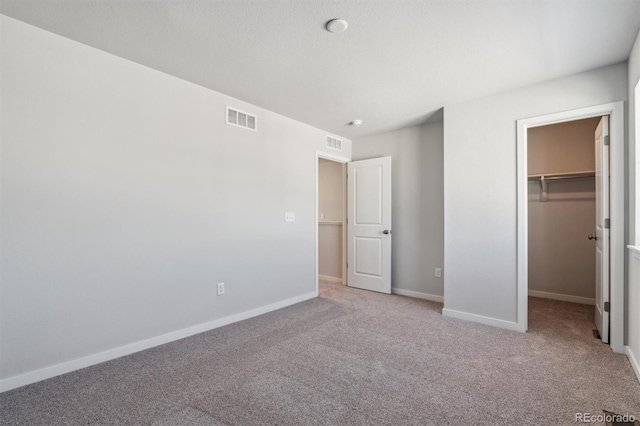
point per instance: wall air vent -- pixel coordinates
(241, 119)
(334, 143)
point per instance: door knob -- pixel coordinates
(386, 232)
(592, 237)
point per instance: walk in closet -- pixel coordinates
(331, 220)
(562, 211)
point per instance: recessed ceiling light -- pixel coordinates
(337, 25)
(356, 123)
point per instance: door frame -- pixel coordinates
(615, 111)
(343, 161)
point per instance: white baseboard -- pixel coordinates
(562, 297)
(76, 364)
(634, 361)
(417, 295)
(330, 279)
(509, 325)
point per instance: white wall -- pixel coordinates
(633, 289)
(633, 339)
(331, 201)
(417, 203)
(634, 160)
(480, 187)
(125, 198)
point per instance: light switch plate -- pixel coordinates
(289, 217)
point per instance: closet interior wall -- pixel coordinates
(331, 200)
(561, 258)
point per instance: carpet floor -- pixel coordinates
(349, 357)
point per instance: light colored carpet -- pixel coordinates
(349, 357)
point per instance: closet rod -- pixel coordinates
(559, 176)
(543, 179)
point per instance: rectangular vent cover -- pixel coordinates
(334, 143)
(242, 119)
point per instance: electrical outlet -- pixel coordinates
(220, 289)
(438, 272)
(321, 215)
(289, 217)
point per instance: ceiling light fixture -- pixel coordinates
(336, 26)
(356, 123)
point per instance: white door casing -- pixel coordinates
(369, 224)
(602, 231)
(616, 113)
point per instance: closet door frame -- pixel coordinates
(615, 111)
(344, 161)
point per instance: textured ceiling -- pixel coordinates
(399, 62)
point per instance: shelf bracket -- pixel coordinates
(543, 189)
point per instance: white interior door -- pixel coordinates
(602, 228)
(369, 224)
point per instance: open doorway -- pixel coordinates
(332, 217)
(564, 256)
(608, 224)
(359, 213)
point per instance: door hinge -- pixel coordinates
(607, 306)
(606, 141)
(347, 265)
(607, 223)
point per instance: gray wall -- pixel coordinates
(331, 196)
(125, 198)
(561, 258)
(331, 203)
(417, 204)
(330, 251)
(480, 185)
(562, 147)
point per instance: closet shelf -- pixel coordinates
(544, 178)
(558, 176)
(330, 222)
